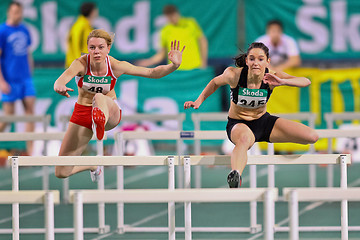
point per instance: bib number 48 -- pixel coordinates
(97, 90)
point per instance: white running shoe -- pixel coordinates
(95, 175)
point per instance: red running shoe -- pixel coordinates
(98, 123)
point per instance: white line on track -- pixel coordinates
(24, 214)
(36, 174)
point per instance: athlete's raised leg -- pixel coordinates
(289, 131)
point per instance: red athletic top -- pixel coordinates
(97, 84)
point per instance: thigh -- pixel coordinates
(75, 141)
(289, 131)
(242, 134)
(114, 114)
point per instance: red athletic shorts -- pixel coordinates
(82, 116)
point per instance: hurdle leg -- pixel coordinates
(101, 206)
(344, 203)
(65, 182)
(330, 168)
(49, 216)
(312, 169)
(197, 169)
(294, 216)
(187, 205)
(254, 227)
(119, 146)
(268, 215)
(120, 205)
(271, 168)
(171, 205)
(179, 171)
(45, 178)
(78, 216)
(101, 186)
(15, 206)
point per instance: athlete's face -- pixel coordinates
(15, 14)
(257, 61)
(98, 49)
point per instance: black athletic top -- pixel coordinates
(250, 98)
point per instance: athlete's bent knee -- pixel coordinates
(313, 137)
(60, 173)
(98, 97)
(241, 140)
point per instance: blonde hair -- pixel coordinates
(100, 33)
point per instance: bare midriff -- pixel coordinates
(86, 98)
(241, 113)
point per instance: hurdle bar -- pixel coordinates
(330, 118)
(45, 119)
(45, 178)
(33, 136)
(94, 161)
(180, 118)
(177, 195)
(163, 160)
(342, 159)
(48, 198)
(215, 135)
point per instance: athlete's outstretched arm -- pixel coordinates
(226, 78)
(60, 84)
(284, 79)
(175, 56)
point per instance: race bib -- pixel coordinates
(96, 84)
(252, 98)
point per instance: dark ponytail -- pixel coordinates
(240, 60)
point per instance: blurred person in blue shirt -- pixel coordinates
(15, 66)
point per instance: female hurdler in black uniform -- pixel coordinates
(251, 85)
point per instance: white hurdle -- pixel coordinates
(45, 119)
(330, 118)
(90, 161)
(15, 197)
(33, 136)
(187, 161)
(176, 135)
(177, 195)
(215, 135)
(45, 178)
(148, 117)
(295, 195)
(342, 159)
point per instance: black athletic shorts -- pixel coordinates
(260, 127)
